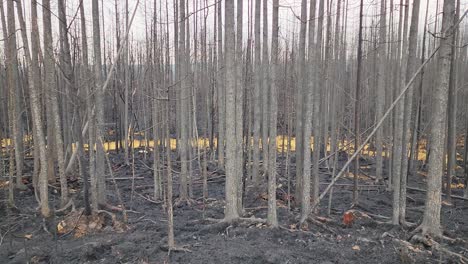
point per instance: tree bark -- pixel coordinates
(221, 90)
(239, 106)
(300, 148)
(431, 217)
(183, 73)
(99, 106)
(398, 124)
(34, 81)
(272, 217)
(265, 87)
(357, 106)
(452, 112)
(231, 211)
(257, 102)
(380, 103)
(408, 107)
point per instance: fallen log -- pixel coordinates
(443, 194)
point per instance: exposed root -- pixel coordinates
(253, 220)
(429, 242)
(424, 240)
(407, 224)
(171, 249)
(112, 215)
(74, 227)
(44, 226)
(460, 257)
(118, 226)
(294, 230)
(70, 203)
(116, 209)
(181, 201)
(322, 225)
(112, 207)
(178, 249)
(214, 220)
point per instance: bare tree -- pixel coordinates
(272, 218)
(231, 211)
(265, 87)
(452, 111)
(50, 83)
(34, 81)
(431, 219)
(239, 106)
(221, 89)
(380, 103)
(99, 113)
(357, 106)
(299, 104)
(256, 105)
(399, 121)
(184, 91)
(14, 117)
(12, 79)
(408, 107)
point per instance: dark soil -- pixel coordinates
(326, 240)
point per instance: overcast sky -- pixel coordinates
(289, 24)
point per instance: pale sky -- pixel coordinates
(289, 24)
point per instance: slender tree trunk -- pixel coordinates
(221, 89)
(272, 218)
(308, 90)
(414, 161)
(157, 64)
(184, 90)
(169, 206)
(300, 146)
(316, 104)
(265, 87)
(465, 156)
(99, 106)
(35, 86)
(16, 158)
(239, 106)
(66, 63)
(398, 125)
(11, 66)
(231, 211)
(408, 107)
(379, 106)
(452, 112)
(49, 76)
(431, 218)
(357, 107)
(257, 102)
(126, 88)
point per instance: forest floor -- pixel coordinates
(370, 239)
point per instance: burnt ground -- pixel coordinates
(369, 240)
